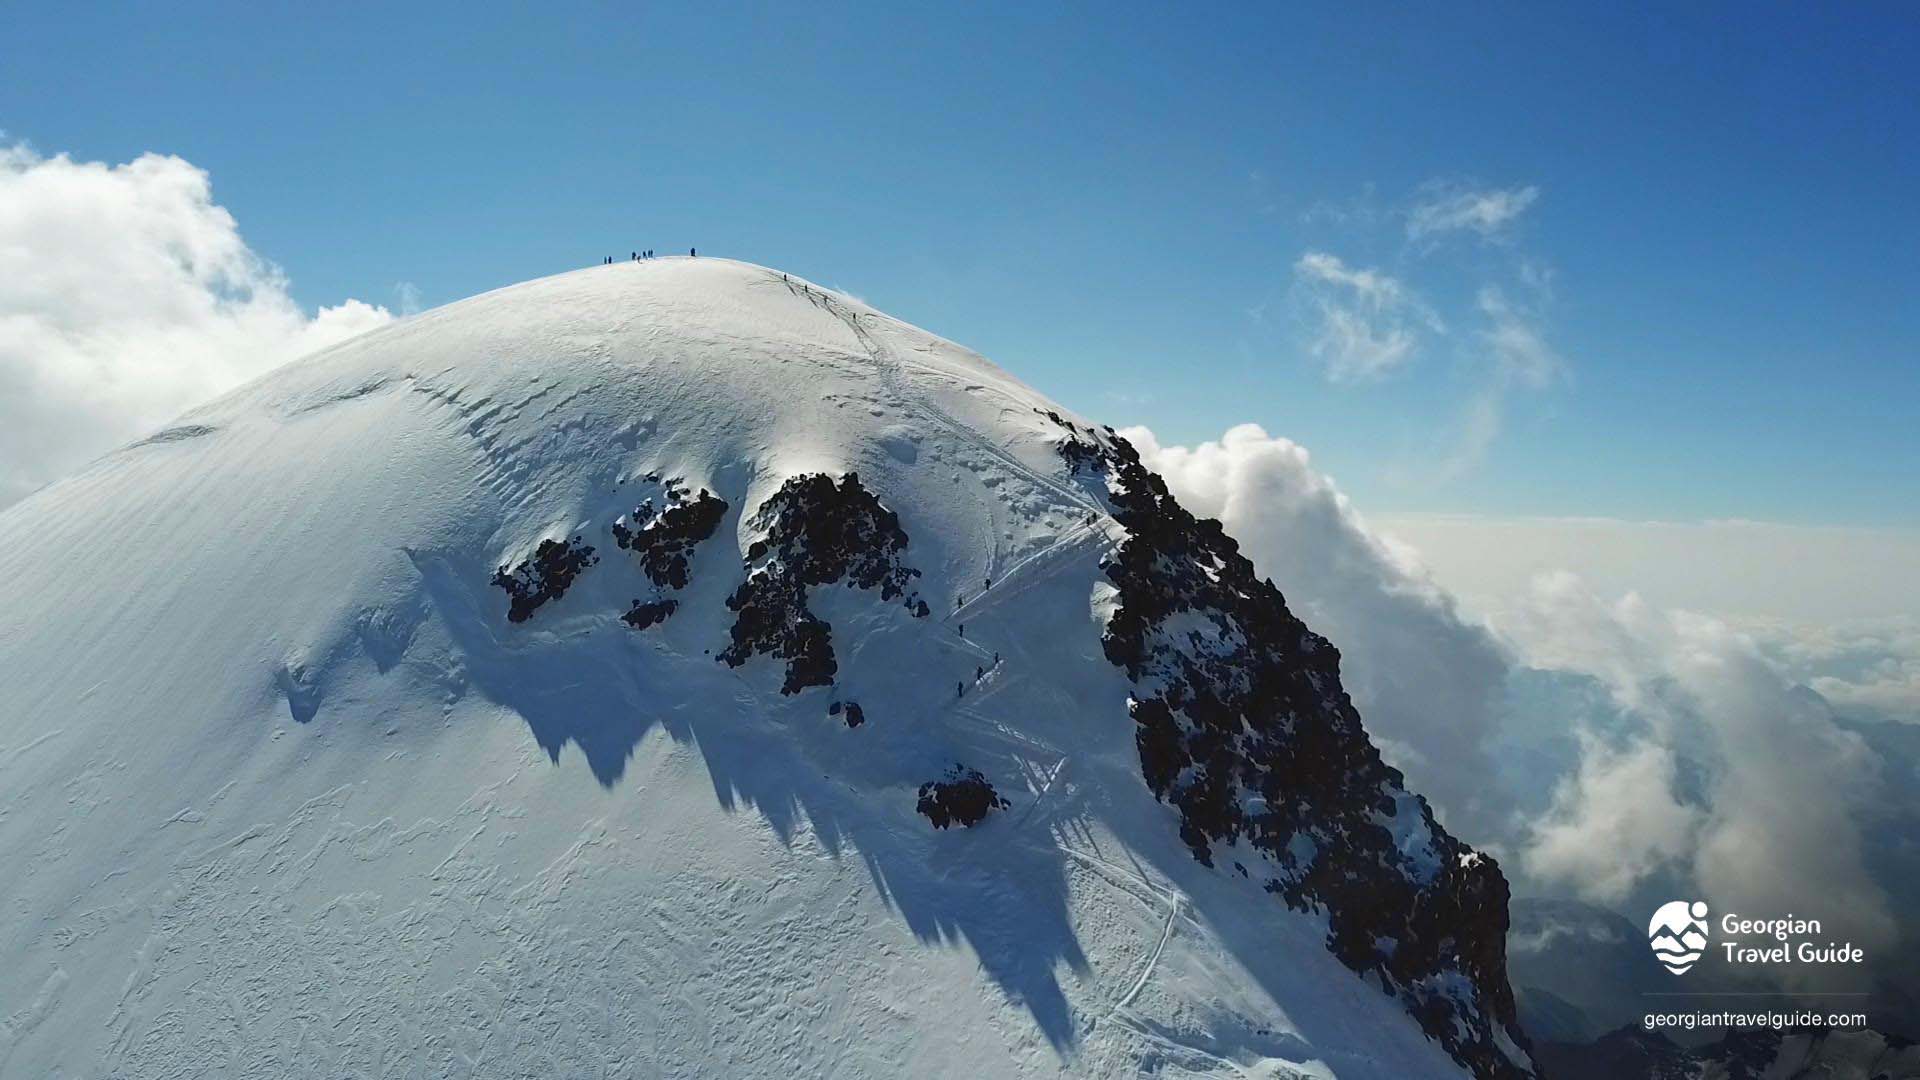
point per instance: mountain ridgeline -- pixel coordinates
(1243, 728)
(680, 668)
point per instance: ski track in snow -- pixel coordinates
(1146, 971)
(890, 367)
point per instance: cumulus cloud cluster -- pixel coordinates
(127, 295)
(1691, 759)
(1722, 770)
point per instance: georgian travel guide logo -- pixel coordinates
(1679, 930)
(1678, 934)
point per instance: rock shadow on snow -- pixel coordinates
(997, 889)
(585, 691)
(592, 682)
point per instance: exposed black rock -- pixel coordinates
(664, 540)
(543, 577)
(815, 533)
(963, 798)
(1243, 728)
(1079, 454)
(646, 613)
(855, 716)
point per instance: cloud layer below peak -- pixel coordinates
(1615, 751)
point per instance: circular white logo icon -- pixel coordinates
(1678, 934)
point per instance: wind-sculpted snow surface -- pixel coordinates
(570, 681)
(1242, 727)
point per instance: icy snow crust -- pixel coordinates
(284, 792)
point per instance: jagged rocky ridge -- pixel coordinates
(1243, 728)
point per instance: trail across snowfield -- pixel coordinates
(284, 793)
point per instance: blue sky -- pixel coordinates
(1716, 261)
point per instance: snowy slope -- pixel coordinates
(284, 791)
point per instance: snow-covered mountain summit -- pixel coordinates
(676, 668)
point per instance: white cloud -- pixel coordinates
(1515, 356)
(1892, 688)
(1692, 758)
(1713, 714)
(1614, 822)
(407, 295)
(1816, 584)
(1427, 680)
(1451, 208)
(1868, 667)
(1364, 323)
(1365, 209)
(1752, 787)
(127, 296)
(1515, 342)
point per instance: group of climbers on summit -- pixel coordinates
(647, 254)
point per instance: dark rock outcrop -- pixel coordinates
(963, 798)
(546, 576)
(664, 540)
(645, 613)
(815, 532)
(1243, 728)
